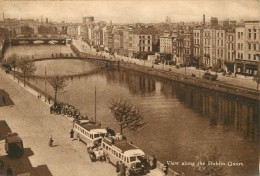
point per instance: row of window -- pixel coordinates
(222, 34)
(115, 153)
(143, 48)
(253, 56)
(220, 53)
(83, 131)
(196, 34)
(143, 41)
(254, 46)
(240, 35)
(230, 56)
(196, 41)
(219, 42)
(143, 37)
(249, 36)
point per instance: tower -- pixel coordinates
(204, 21)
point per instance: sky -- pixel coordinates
(134, 11)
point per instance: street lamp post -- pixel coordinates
(45, 86)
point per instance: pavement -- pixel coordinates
(29, 116)
(239, 80)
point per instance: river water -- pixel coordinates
(181, 121)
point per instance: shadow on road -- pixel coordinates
(22, 164)
(5, 99)
(4, 129)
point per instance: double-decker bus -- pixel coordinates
(13, 145)
(116, 150)
(89, 131)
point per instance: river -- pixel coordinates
(181, 121)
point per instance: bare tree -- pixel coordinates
(208, 166)
(126, 114)
(58, 83)
(13, 61)
(27, 66)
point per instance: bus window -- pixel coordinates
(96, 135)
(91, 136)
(106, 147)
(127, 159)
(119, 155)
(133, 158)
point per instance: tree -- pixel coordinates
(58, 83)
(126, 114)
(13, 61)
(27, 67)
(207, 166)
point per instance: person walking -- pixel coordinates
(9, 171)
(50, 141)
(71, 133)
(122, 168)
(165, 168)
(154, 162)
(49, 100)
(117, 167)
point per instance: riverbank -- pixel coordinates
(30, 117)
(171, 75)
(33, 90)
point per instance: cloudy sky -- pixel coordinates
(125, 11)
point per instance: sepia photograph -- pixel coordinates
(129, 88)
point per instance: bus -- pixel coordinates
(13, 145)
(116, 149)
(89, 132)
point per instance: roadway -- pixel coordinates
(239, 80)
(29, 116)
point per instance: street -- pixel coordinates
(242, 81)
(29, 116)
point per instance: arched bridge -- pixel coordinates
(111, 64)
(35, 40)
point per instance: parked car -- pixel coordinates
(210, 76)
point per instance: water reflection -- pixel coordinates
(181, 120)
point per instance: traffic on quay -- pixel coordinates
(113, 83)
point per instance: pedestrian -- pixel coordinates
(50, 141)
(154, 162)
(117, 167)
(49, 100)
(122, 168)
(71, 133)
(165, 168)
(9, 171)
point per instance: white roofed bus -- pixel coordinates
(116, 150)
(89, 132)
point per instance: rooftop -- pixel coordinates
(89, 125)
